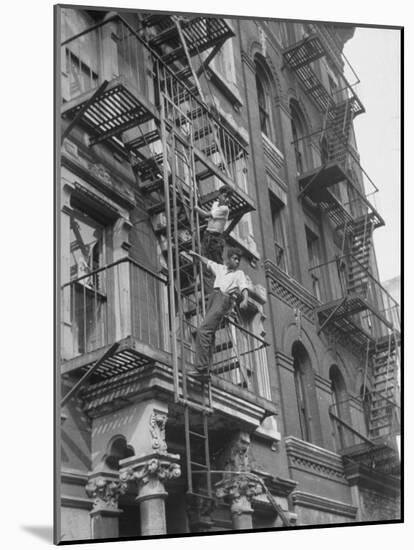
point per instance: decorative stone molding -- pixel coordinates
(312, 459)
(290, 291)
(105, 489)
(235, 457)
(150, 472)
(248, 61)
(122, 231)
(238, 491)
(84, 165)
(328, 505)
(158, 421)
(284, 361)
(322, 383)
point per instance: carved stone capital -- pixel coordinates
(238, 491)
(105, 489)
(150, 473)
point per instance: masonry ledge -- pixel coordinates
(299, 449)
(310, 500)
(157, 377)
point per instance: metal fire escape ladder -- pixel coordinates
(385, 380)
(177, 23)
(186, 293)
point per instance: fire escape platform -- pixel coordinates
(240, 203)
(117, 109)
(201, 34)
(298, 58)
(336, 210)
(304, 52)
(139, 370)
(314, 183)
(340, 312)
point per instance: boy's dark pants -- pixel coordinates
(219, 305)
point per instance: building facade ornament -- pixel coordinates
(158, 421)
(238, 491)
(199, 509)
(105, 490)
(150, 472)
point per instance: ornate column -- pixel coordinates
(238, 487)
(199, 511)
(150, 472)
(238, 491)
(105, 488)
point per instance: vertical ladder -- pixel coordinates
(186, 295)
(384, 386)
(361, 242)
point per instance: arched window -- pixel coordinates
(300, 139)
(306, 400)
(365, 395)
(340, 406)
(264, 101)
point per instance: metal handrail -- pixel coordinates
(165, 67)
(117, 262)
(350, 255)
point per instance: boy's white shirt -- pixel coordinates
(219, 216)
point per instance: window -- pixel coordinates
(366, 399)
(307, 405)
(264, 101)
(300, 138)
(314, 255)
(300, 399)
(340, 407)
(88, 292)
(223, 62)
(80, 56)
(279, 233)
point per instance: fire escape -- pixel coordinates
(178, 151)
(356, 309)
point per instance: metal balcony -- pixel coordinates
(127, 302)
(354, 302)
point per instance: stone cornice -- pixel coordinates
(97, 176)
(324, 504)
(313, 459)
(124, 389)
(74, 477)
(76, 502)
(290, 291)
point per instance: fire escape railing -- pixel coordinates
(126, 298)
(114, 51)
(354, 439)
(359, 295)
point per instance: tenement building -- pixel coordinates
(297, 422)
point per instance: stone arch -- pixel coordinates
(116, 450)
(332, 357)
(291, 335)
(340, 406)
